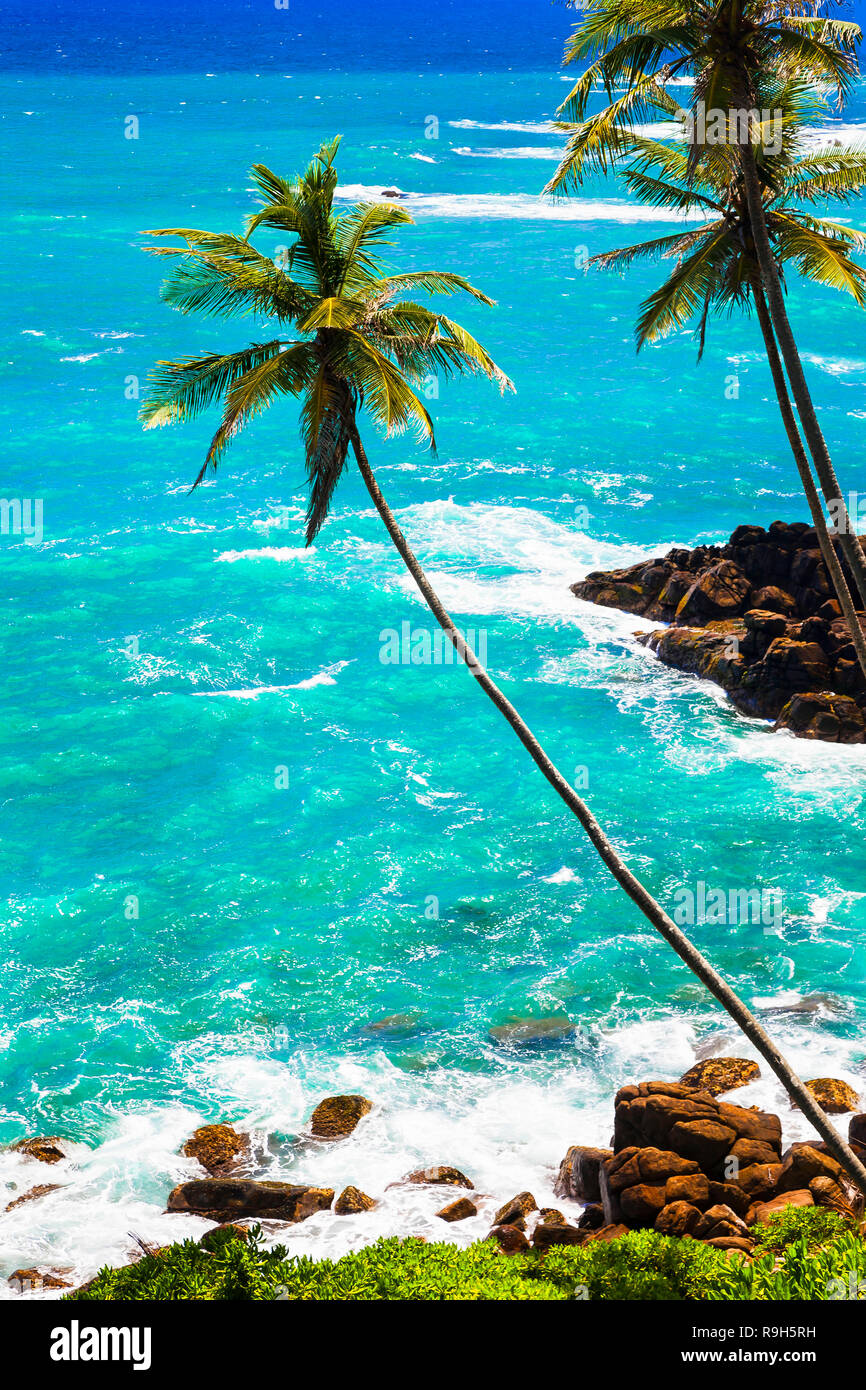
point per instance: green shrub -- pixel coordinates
(804, 1253)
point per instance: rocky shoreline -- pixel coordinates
(681, 1162)
(756, 616)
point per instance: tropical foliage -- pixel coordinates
(803, 1254)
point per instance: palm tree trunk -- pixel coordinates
(834, 569)
(639, 895)
(830, 485)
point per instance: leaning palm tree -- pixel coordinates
(717, 270)
(731, 49)
(358, 349)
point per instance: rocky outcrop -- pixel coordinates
(515, 1212)
(510, 1239)
(580, 1174)
(338, 1116)
(352, 1201)
(720, 1074)
(230, 1199)
(34, 1194)
(756, 616)
(46, 1150)
(218, 1148)
(33, 1280)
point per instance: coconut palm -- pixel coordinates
(717, 269)
(358, 349)
(731, 49)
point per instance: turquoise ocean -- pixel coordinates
(184, 939)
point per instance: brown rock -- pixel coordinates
(592, 1217)
(228, 1199)
(693, 1189)
(31, 1280)
(460, 1210)
(614, 1231)
(705, 1141)
(338, 1116)
(552, 1216)
(857, 1129)
(762, 1211)
(641, 1204)
(718, 1221)
(510, 1239)
(218, 1148)
(34, 1193)
(720, 1074)
(440, 1174)
(760, 1181)
(827, 1193)
(677, 1219)
(750, 1151)
(729, 1194)
(801, 1164)
(836, 1097)
(580, 1174)
(823, 715)
(554, 1233)
(50, 1150)
(352, 1201)
(776, 601)
(519, 1207)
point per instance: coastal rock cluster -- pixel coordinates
(756, 616)
(680, 1161)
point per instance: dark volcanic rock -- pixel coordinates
(757, 617)
(228, 1199)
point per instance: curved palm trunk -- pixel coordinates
(639, 895)
(834, 569)
(830, 486)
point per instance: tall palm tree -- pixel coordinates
(360, 350)
(717, 268)
(732, 49)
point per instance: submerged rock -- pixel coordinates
(338, 1116)
(533, 1032)
(440, 1175)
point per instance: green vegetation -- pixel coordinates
(803, 1254)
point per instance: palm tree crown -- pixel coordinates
(356, 345)
(716, 265)
(634, 50)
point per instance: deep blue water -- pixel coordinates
(165, 654)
